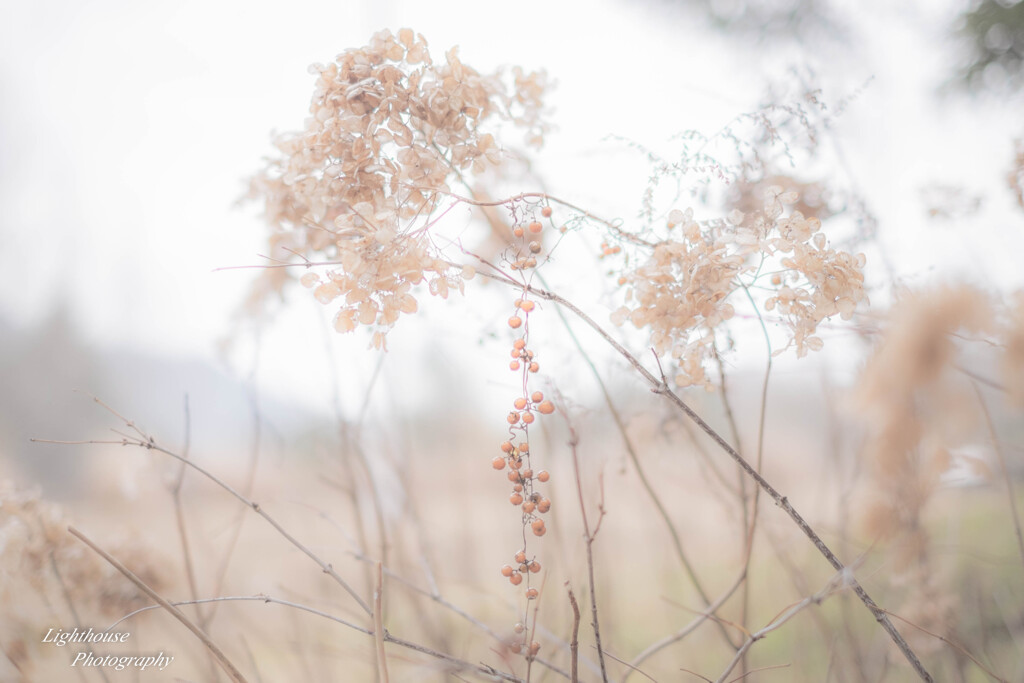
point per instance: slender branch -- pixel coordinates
(677, 543)
(543, 196)
(179, 517)
(689, 628)
(147, 442)
(250, 480)
(378, 625)
(760, 668)
(436, 596)
(589, 542)
(755, 505)
(838, 582)
(226, 664)
(952, 643)
(661, 388)
(1003, 469)
(630, 666)
(574, 643)
(460, 664)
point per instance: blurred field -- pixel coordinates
(448, 529)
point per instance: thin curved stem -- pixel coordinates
(660, 387)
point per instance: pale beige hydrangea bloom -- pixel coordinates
(680, 294)
(388, 130)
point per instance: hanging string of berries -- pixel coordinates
(516, 455)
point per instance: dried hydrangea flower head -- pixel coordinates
(918, 412)
(388, 131)
(681, 293)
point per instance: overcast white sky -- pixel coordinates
(127, 129)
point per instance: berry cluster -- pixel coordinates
(515, 450)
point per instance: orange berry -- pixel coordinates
(537, 525)
(515, 499)
(506, 446)
(532, 593)
(546, 212)
(523, 568)
(527, 306)
(536, 397)
(506, 570)
(530, 263)
(519, 403)
(518, 488)
(546, 407)
(515, 321)
(521, 556)
(516, 578)
(528, 418)
(517, 231)
(514, 365)
(534, 247)
(527, 473)
(535, 227)
(524, 447)
(534, 648)
(543, 505)
(540, 532)
(543, 476)
(513, 475)
(534, 566)
(518, 628)
(622, 280)
(519, 344)
(512, 418)
(498, 463)
(515, 648)
(529, 506)
(516, 464)
(534, 367)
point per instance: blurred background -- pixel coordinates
(128, 131)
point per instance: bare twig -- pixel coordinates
(588, 539)
(147, 442)
(838, 582)
(179, 516)
(952, 643)
(440, 600)
(760, 668)
(661, 388)
(755, 504)
(574, 643)
(544, 197)
(631, 667)
(378, 625)
(1003, 469)
(689, 628)
(226, 664)
(634, 457)
(458, 664)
